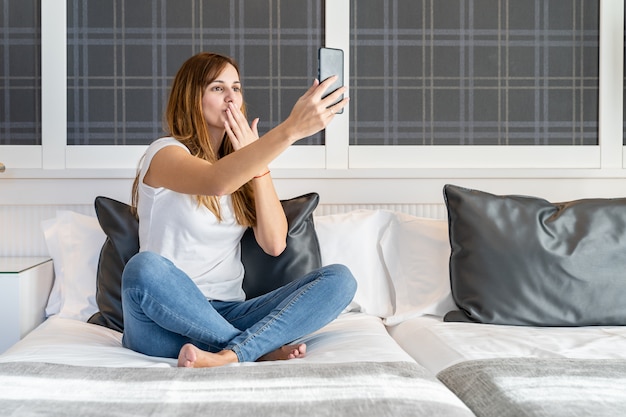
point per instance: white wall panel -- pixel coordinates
(20, 227)
(21, 233)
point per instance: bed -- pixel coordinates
(71, 366)
(537, 326)
(500, 370)
(512, 306)
(68, 367)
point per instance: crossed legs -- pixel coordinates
(166, 315)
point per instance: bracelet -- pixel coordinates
(262, 175)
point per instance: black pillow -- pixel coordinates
(522, 260)
(263, 272)
(122, 230)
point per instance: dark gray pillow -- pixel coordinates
(122, 230)
(263, 272)
(525, 261)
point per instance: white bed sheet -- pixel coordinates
(437, 345)
(352, 337)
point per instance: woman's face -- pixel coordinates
(224, 89)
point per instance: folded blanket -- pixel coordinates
(273, 389)
(540, 387)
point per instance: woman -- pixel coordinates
(195, 194)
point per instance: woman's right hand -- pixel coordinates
(312, 113)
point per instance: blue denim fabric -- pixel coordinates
(164, 309)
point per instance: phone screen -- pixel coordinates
(331, 63)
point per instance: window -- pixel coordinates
(445, 84)
(451, 74)
(455, 72)
(20, 73)
(123, 55)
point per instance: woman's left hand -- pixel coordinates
(237, 128)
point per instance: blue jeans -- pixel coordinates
(164, 309)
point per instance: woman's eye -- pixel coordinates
(217, 88)
(237, 89)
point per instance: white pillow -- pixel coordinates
(74, 241)
(352, 239)
(50, 229)
(416, 253)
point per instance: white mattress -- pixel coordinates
(438, 345)
(352, 337)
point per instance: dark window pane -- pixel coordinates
(489, 72)
(123, 54)
(20, 72)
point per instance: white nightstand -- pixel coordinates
(25, 284)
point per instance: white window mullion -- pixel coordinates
(611, 75)
(53, 83)
(337, 29)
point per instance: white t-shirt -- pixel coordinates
(175, 226)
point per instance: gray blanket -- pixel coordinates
(350, 389)
(540, 387)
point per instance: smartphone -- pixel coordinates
(330, 62)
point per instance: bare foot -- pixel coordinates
(192, 357)
(285, 352)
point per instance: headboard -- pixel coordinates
(21, 234)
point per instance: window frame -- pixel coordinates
(609, 153)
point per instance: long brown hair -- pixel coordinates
(185, 122)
